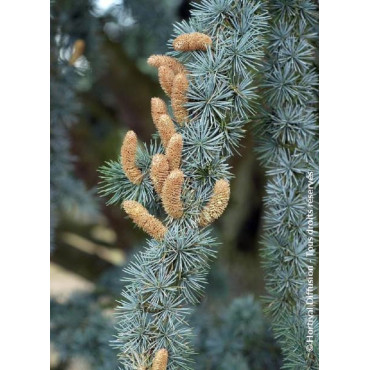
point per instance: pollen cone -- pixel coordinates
(179, 99)
(192, 41)
(160, 360)
(164, 60)
(128, 156)
(217, 203)
(166, 76)
(171, 194)
(166, 128)
(174, 151)
(158, 107)
(144, 220)
(159, 171)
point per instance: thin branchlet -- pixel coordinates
(287, 145)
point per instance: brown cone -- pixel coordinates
(179, 99)
(128, 158)
(164, 60)
(159, 171)
(158, 107)
(192, 41)
(174, 151)
(217, 203)
(166, 76)
(171, 194)
(160, 360)
(142, 218)
(166, 128)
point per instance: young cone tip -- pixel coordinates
(128, 157)
(174, 151)
(217, 203)
(192, 41)
(164, 60)
(141, 217)
(160, 360)
(159, 171)
(171, 194)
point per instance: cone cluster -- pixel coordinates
(173, 80)
(165, 173)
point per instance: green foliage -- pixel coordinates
(149, 27)
(68, 192)
(81, 329)
(167, 277)
(239, 338)
(287, 145)
(235, 337)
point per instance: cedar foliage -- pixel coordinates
(67, 192)
(211, 103)
(287, 145)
